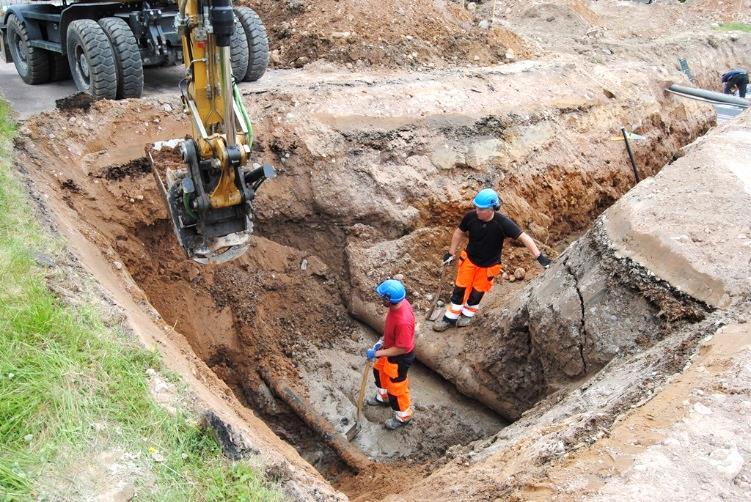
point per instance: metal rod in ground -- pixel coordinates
(630, 154)
(351, 455)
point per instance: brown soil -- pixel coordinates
(79, 101)
(382, 34)
(261, 317)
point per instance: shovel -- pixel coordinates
(431, 310)
(357, 427)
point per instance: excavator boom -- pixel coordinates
(210, 198)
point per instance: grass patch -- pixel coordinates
(735, 27)
(73, 389)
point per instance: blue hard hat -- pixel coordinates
(486, 199)
(391, 290)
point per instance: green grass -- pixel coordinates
(735, 27)
(72, 388)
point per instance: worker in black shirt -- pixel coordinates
(480, 263)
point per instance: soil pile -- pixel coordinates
(390, 33)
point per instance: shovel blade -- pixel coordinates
(353, 431)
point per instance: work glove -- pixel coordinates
(378, 345)
(543, 260)
(448, 258)
(370, 354)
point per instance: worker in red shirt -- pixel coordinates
(394, 354)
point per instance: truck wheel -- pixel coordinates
(239, 52)
(258, 43)
(91, 59)
(32, 63)
(59, 68)
(127, 57)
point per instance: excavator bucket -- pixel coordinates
(212, 235)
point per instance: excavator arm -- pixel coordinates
(210, 198)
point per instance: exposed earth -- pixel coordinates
(621, 372)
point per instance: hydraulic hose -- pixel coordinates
(244, 114)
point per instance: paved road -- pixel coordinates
(29, 99)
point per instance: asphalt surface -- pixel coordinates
(27, 99)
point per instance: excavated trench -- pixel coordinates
(283, 325)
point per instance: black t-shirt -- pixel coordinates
(486, 237)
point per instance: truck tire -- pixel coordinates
(239, 52)
(258, 43)
(91, 59)
(127, 57)
(59, 68)
(32, 63)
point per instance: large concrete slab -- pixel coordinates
(690, 224)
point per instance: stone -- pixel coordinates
(480, 152)
(44, 260)
(701, 409)
(445, 158)
(117, 265)
(123, 492)
(519, 273)
(296, 6)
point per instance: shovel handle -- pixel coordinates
(363, 383)
(433, 306)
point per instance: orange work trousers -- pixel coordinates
(391, 377)
(470, 276)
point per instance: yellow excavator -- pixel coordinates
(210, 198)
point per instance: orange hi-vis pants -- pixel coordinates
(469, 278)
(393, 384)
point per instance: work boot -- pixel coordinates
(393, 423)
(443, 324)
(374, 401)
(463, 321)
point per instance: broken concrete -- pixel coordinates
(703, 247)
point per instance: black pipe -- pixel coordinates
(630, 154)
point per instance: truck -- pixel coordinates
(104, 45)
